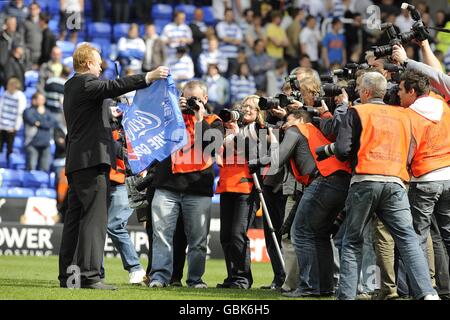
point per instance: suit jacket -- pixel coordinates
(48, 42)
(89, 136)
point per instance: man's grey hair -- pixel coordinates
(196, 83)
(374, 82)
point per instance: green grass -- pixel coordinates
(31, 278)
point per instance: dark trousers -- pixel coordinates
(276, 203)
(179, 242)
(237, 212)
(84, 232)
(8, 138)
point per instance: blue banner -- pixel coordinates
(153, 124)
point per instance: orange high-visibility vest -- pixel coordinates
(188, 159)
(62, 187)
(326, 167)
(432, 141)
(117, 175)
(235, 176)
(384, 142)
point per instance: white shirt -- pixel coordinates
(311, 38)
(403, 23)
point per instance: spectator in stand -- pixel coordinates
(276, 37)
(443, 38)
(120, 10)
(182, 67)
(231, 38)
(248, 20)
(242, 84)
(176, 34)
(52, 68)
(131, 49)
(33, 34)
(333, 45)
(39, 124)
(7, 38)
(155, 50)
(259, 63)
(293, 33)
(213, 56)
(355, 37)
(275, 78)
(48, 38)
(388, 7)
(54, 95)
(98, 10)
(218, 88)
(305, 65)
(254, 31)
(16, 65)
(18, 9)
(12, 104)
(70, 18)
(309, 41)
(142, 9)
(198, 28)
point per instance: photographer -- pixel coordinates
(238, 199)
(376, 139)
(185, 185)
(439, 80)
(311, 228)
(429, 190)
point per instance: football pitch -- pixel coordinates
(35, 278)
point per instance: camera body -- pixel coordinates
(281, 100)
(191, 104)
(231, 115)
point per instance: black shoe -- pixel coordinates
(299, 294)
(98, 286)
(224, 285)
(445, 296)
(238, 286)
(177, 284)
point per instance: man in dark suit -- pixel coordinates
(48, 38)
(90, 154)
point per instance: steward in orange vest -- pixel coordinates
(117, 176)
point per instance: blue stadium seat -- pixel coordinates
(68, 61)
(29, 92)
(53, 7)
(18, 142)
(20, 192)
(99, 30)
(208, 16)
(104, 45)
(45, 192)
(52, 180)
(3, 191)
(66, 47)
(53, 25)
(11, 178)
(17, 161)
(36, 179)
(188, 9)
(3, 160)
(160, 24)
(31, 78)
(162, 11)
(44, 4)
(120, 30)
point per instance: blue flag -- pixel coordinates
(153, 124)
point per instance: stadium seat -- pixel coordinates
(29, 92)
(3, 162)
(36, 179)
(17, 161)
(53, 7)
(45, 192)
(160, 24)
(53, 25)
(68, 61)
(52, 180)
(18, 143)
(66, 47)
(99, 30)
(11, 178)
(188, 9)
(44, 4)
(162, 11)
(120, 30)
(31, 78)
(20, 192)
(208, 16)
(104, 45)
(3, 191)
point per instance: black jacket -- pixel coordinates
(48, 42)
(15, 68)
(89, 136)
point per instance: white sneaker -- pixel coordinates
(156, 284)
(137, 277)
(200, 285)
(431, 297)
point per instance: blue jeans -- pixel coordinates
(311, 232)
(390, 202)
(118, 215)
(196, 213)
(430, 199)
(38, 158)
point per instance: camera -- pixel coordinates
(282, 100)
(191, 104)
(231, 115)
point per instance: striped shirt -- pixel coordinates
(338, 9)
(229, 30)
(133, 49)
(241, 87)
(182, 69)
(216, 57)
(54, 93)
(11, 110)
(172, 35)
